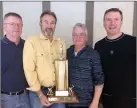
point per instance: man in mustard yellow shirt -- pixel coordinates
(38, 60)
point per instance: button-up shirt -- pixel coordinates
(85, 72)
(38, 58)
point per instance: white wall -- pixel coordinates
(30, 12)
(68, 14)
(100, 7)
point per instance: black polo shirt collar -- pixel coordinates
(7, 41)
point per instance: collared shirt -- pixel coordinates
(12, 73)
(85, 72)
(38, 58)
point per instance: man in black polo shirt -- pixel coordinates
(118, 56)
(13, 82)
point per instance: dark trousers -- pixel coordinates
(113, 102)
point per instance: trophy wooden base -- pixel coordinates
(63, 99)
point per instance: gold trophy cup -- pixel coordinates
(63, 93)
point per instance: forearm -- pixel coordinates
(43, 99)
(39, 93)
(97, 93)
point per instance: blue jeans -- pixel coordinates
(35, 101)
(15, 101)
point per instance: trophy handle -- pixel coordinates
(50, 91)
(71, 90)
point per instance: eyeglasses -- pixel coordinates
(15, 24)
(81, 35)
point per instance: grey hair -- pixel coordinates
(12, 14)
(83, 26)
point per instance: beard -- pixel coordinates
(48, 31)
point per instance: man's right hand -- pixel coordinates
(44, 101)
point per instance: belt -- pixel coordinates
(13, 93)
(118, 97)
(42, 87)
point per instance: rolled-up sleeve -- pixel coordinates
(29, 63)
(98, 75)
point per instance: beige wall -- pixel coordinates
(68, 13)
(30, 12)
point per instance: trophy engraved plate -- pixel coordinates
(63, 93)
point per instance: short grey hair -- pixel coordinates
(83, 26)
(12, 14)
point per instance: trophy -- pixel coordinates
(63, 93)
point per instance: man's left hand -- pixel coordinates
(93, 105)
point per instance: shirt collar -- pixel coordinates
(7, 41)
(44, 37)
(80, 52)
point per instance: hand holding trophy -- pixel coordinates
(63, 93)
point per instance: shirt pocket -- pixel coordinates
(40, 58)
